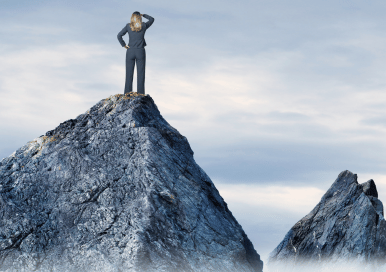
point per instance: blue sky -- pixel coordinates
(275, 97)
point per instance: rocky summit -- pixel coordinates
(346, 228)
(116, 189)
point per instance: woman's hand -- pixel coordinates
(127, 47)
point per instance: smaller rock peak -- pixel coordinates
(342, 184)
(346, 177)
(369, 188)
(347, 226)
(346, 173)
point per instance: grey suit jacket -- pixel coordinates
(136, 39)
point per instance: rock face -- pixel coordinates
(347, 226)
(116, 189)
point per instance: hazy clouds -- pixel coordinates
(276, 97)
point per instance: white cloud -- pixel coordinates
(32, 30)
(283, 198)
(39, 85)
(268, 212)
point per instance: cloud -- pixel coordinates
(283, 198)
(379, 121)
(44, 86)
(35, 81)
(268, 212)
(233, 111)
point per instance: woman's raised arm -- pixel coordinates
(150, 22)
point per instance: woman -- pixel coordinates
(135, 50)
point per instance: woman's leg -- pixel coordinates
(130, 61)
(141, 63)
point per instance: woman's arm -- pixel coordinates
(120, 34)
(150, 22)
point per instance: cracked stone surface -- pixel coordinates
(116, 189)
(346, 226)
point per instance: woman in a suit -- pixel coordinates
(135, 50)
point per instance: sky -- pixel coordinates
(275, 97)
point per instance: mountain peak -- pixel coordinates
(116, 189)
(346, 227)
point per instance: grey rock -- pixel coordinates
(369, 188)
(377, 204)
(116, 189)
(345, 227)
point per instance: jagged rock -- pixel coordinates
(116, 189)
(369, 188)
(346, 227)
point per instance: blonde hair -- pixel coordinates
(136, 22)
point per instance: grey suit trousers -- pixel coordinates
(135, 55)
